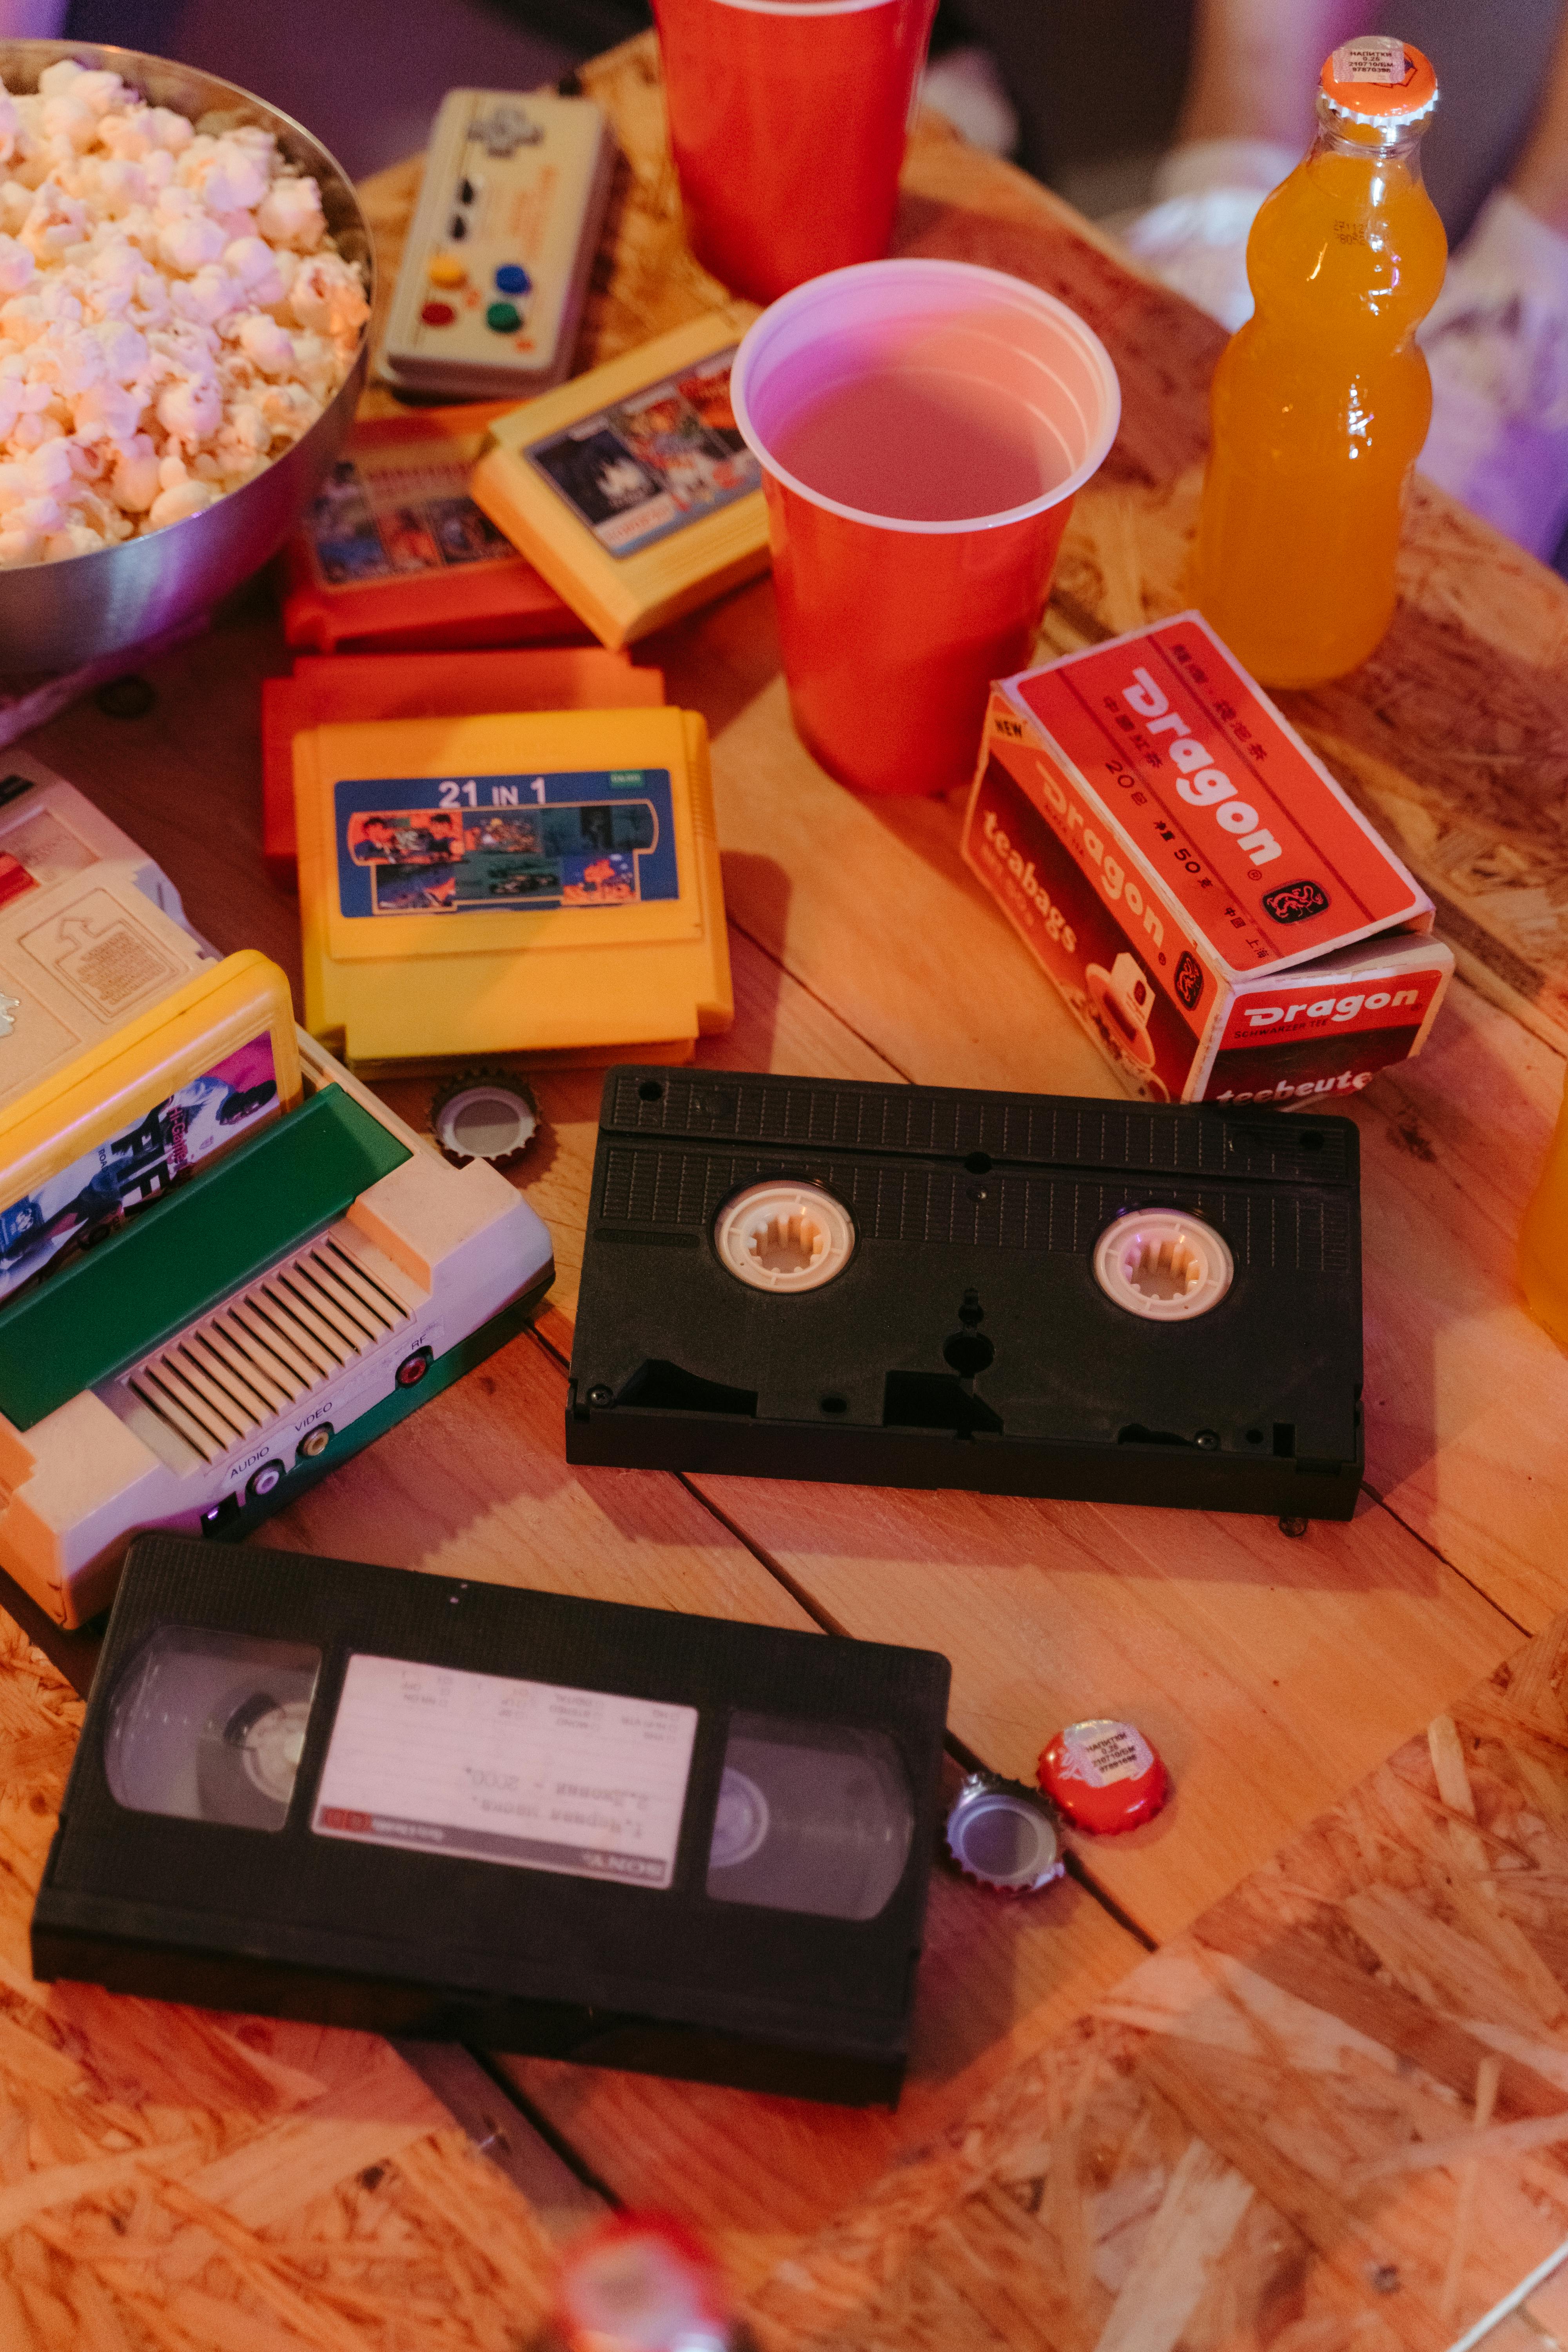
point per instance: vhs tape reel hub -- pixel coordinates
(785, 1237)
(1162, 1265)
(271, 1740)
(742, 1822)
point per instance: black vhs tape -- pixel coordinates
(388, 1800)
(1018, 1293)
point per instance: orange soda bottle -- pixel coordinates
(1543, 1240)
(1321, 402)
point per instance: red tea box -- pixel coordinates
(1216, 911)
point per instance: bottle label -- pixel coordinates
(1373, 58)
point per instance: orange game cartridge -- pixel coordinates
(538, 883)
(425, 686)
(631, 487)
(395, 554)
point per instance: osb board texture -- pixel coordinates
(1333, 2114)
(175, 2180)
(1454, 735)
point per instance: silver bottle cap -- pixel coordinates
(1005, 1835)
(483, 1114)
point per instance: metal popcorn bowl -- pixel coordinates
(59, 615)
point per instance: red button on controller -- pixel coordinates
(437, 314)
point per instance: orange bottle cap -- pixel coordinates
(1380, 81)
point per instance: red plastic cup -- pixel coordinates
(923, 427)
(787, 121)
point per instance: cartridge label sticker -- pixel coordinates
(1259, 846)
(649, 464)
(534, 1775)
(87, 1199)
(102, 955)
(394, 520)
(477, 844)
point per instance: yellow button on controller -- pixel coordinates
(447, 270)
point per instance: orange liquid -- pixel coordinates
(1319, 406)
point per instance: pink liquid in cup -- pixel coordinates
(923, 427)
(787, 121)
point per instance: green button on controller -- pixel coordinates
(504, 318)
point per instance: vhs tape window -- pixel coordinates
(815, 1818)
(211, 1726)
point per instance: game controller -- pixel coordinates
(490, 290)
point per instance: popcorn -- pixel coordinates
(253, 262)
(228, 179)
(173, 313)
(191, 411)
(265, 342)
(53, 222)
(190, 240)
(184, 500)
(326, 294)
(291, 214)
(135, 483)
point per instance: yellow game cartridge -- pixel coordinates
(630, 488)
(538, 883)
(120, 1123)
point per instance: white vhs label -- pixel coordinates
(528, 1773)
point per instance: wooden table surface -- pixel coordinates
(171, 2179)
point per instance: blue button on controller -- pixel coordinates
(511, 278)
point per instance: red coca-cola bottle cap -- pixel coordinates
(1103, 1775)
